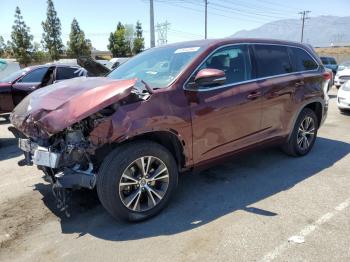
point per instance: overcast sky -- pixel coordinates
(186, 17)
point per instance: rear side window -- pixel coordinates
(302, 61)
(67, 73)
(272, 60)
(34, 76)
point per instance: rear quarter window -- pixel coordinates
(302, 61)
(272, 60)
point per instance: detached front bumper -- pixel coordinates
(37, 155)
(60, 175)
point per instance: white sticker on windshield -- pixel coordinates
(187, 50)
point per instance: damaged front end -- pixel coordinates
(56, 129)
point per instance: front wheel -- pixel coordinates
(136, 180)
(304, 134)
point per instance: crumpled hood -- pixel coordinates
(51, 109)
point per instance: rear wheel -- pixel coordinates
(136, 180)
(304, 134)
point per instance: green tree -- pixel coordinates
(2, 47)
(39, 55)
(77, 44)
(8, 50)
(52, 32)
(21, 39)
(139, 41)
(118, 44)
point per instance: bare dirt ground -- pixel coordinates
(253, 208)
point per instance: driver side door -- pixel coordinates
(226, 117)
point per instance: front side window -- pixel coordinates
(63, 73)
(302, 60)
(272, 60)
(158, 67)
(34, 76)
(234, 61)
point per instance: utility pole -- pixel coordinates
(303, 18)
(151, 14)
(206, 19)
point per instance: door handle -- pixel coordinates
(254, 95)
(299, 83)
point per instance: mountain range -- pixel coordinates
(320, 31)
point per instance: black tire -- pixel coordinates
(111, 171)
(291, 147)
(344, 111)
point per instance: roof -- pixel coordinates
(221, 41)
(53, 64)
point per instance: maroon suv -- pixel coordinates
(170, 109)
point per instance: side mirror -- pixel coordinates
(210, 77)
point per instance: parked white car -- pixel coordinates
(341, 77)
(7, 67)
(344, 65)
(343, 98)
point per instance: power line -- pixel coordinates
(256, 7)
(241, 16)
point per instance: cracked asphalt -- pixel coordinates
(263, 206)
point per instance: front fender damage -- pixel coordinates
(107, 130)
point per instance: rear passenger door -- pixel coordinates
(278, 84)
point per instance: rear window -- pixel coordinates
(302, 61)
(272, 60)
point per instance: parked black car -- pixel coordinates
(330, 62)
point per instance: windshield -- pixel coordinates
(158, 67)
(12, 77)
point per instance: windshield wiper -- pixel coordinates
(149, 89)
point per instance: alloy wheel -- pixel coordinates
(144, 183)
(306, 133)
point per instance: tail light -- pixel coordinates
(327, 75)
